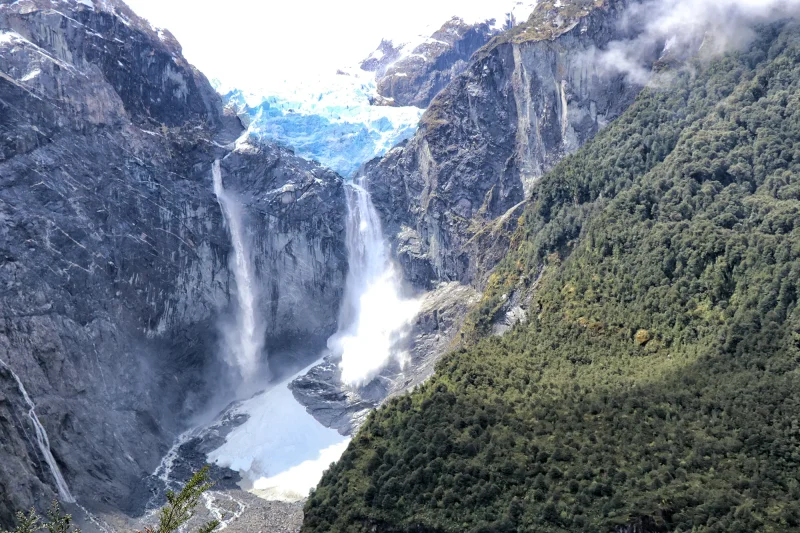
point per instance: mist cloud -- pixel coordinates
(680, 28)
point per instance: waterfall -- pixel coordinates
(42, 441)
(245, 341)
(374, 316)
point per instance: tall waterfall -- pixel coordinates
(42, 441)
(245, 341)
(374, 316)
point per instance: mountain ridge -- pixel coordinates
(652, 387)
(485, 139)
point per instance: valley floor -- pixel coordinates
(242, 512)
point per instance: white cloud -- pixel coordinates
(257, 43)
(685, 25)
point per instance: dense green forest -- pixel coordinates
(656, 382)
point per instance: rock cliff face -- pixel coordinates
(527, 99)
(114, 252)
(451, 197)
(414, 77)
(410, 72)
(296, 212)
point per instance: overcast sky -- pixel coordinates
(252, 43)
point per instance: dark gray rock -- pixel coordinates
(415, 78)
(335, 406)
(526, 100)
(296, 209)
(113, 250)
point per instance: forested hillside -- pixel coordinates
(655, 386)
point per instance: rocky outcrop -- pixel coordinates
(412, 75)
(113, 248)
(527, 99)
(295, 209)
(434, 331)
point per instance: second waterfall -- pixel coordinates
(244, 340)
(375, 316)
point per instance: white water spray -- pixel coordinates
(375, 317)
(42, 441)
(245, 342)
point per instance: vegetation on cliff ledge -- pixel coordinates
(656, 383)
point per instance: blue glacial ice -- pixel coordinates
(330, 121)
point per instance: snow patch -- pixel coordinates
(294, 484)
(10, 37)
(281, 451)
(30, 75)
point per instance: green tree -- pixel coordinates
(179, 509)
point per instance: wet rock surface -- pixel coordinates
(113, 249)
(332, 403)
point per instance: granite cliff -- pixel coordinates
(113, 250)
(527, 99)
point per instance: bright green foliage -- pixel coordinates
(657, 383)
(180, 507)
(58, 522)
(26, 523)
